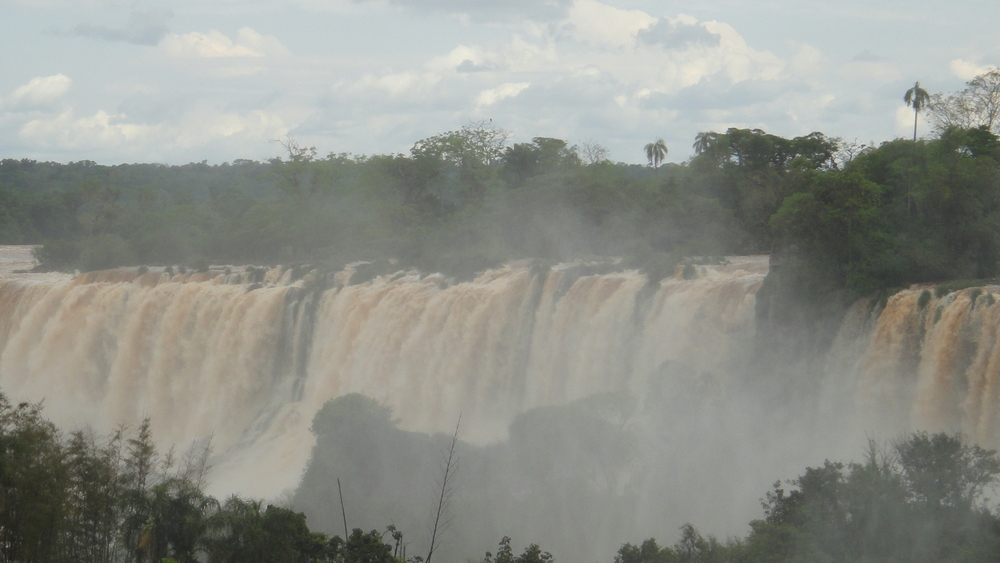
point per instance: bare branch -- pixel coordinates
(450, 466)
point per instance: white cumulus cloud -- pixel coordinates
(103, 133)
(967, 70)
(215, 44)
(68, 131)
(598, 23)
(494, 95)
(39, 93)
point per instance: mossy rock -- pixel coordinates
(924, 299)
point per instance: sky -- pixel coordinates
(180, 81)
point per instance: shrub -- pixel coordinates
(58, 254)
(105, 252)
(201, 265)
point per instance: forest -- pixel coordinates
(840, 219)
(860, 218)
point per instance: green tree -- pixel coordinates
(366, 548)
(704, 142)
(647, 552)
(917, 98)
(919, 503)
(177, 520)
(656, 152)
(94, 500)
(544, 155)
(243, 530)
(943, 471)
(505, 554)
(33, 477)
(296, 175)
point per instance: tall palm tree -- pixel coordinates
(656, 152)
(918, 98)
(704, 141)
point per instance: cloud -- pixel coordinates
(572, 69)
(143, 28)
(739, 60)
(42, 92)
(70, 4)
(596, 23)
(721, 94)
(465, 58)
(967, 70)
(506, 90)
(866, 56)
(904, 122)
(468, 65)
(215, 44)
(68, 131)
(677, 34)
(622, 69)
(486, 10)
(115, 134)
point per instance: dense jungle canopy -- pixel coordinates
(864, 218)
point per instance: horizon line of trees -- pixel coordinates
(861, 218)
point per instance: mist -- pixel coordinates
(628, 349)
(596, 408)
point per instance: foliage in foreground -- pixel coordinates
(79, 497)
(922, 501)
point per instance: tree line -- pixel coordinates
(860, 217)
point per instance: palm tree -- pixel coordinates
(918, 98)
(704, 141)
(656, 152)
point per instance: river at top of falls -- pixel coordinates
(249, 361)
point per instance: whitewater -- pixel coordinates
(245, 357)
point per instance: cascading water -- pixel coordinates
(249, 356)
(933, 362)
(249, 363)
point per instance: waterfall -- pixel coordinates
(248, 357)
(933, 362)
